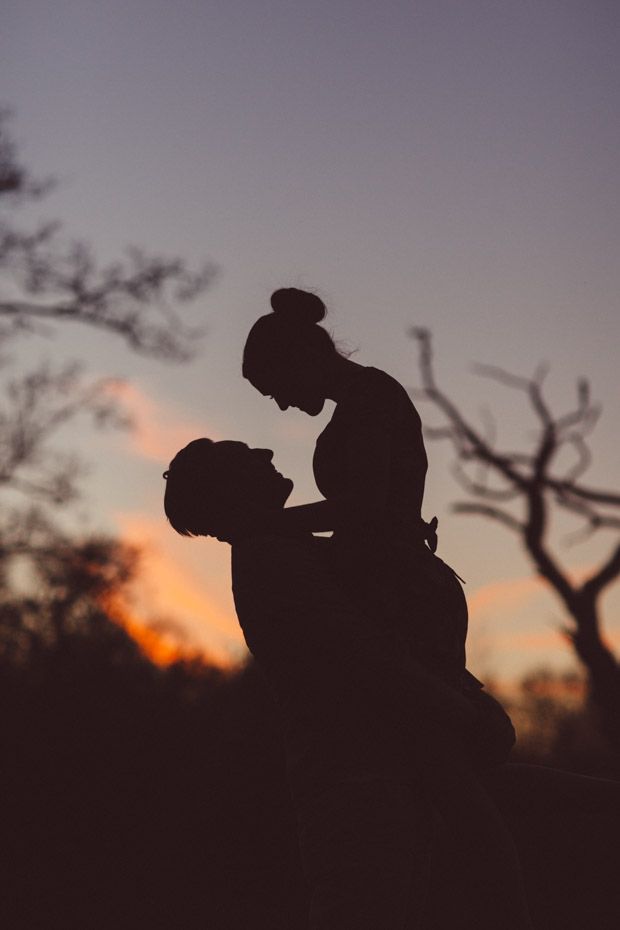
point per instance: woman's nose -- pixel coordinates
(266, 453)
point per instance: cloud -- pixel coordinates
(524, 641)
(517, 624)
(160, 645)
(504, 595)
(511, 593)
(160, 430)
(188, 609)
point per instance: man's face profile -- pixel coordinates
(251, 475)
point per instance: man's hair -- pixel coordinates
(186, 500)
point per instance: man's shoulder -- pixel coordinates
(282, 562)
(270, 549)
(287, 595)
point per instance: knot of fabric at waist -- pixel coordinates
(429, 533)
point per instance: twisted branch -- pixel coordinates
(531, 478)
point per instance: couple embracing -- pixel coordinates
(362, 638)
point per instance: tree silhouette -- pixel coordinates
(53, 582)
(48, 280)
(60, 602)
(539, 481)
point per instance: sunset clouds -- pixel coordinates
(518, 623)
(159, 429)
(505, 594)
(194, 611)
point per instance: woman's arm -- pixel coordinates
(363, 500)
(362, 503)
(319, 517)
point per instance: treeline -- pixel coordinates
(139, 796)
(134, 796)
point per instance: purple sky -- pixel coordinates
(448, 162)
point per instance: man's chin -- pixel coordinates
(287, 487)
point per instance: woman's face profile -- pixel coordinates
(293, 391)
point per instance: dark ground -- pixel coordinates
(134, 796)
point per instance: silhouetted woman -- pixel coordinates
(370, 464)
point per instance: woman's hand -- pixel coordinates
(300, 520)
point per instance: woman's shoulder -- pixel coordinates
(382, 381)
(381, 391)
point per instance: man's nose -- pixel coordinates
(282, 405)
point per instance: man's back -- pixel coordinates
(318, 652)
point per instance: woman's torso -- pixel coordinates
(386, 566)
(378, 407)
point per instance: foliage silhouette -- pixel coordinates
(45, 283)
(48, 281)
(139, 796)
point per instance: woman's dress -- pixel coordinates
(385, 564)
(384, 561)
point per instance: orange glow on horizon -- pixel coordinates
(510, 618)
(166, 587)
(161, 648)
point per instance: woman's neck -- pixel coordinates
(340, 376)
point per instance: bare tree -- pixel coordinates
(36, 406)
(521, 489)
(45, 282)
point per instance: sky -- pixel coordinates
(446, 163)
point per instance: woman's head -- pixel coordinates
(210, 484)
(287, 352)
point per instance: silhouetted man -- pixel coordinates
(362, 721)
(350, 695)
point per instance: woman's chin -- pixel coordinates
(313, 409)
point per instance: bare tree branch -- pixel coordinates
(49, 280)
(608, 572)
(16, 182)
(609, 498)
(493, 513)
(38, 405)
(468, 441)
(480, 488)
(532, 479)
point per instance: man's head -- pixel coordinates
(211, 486)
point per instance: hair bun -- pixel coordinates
(297, 305)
